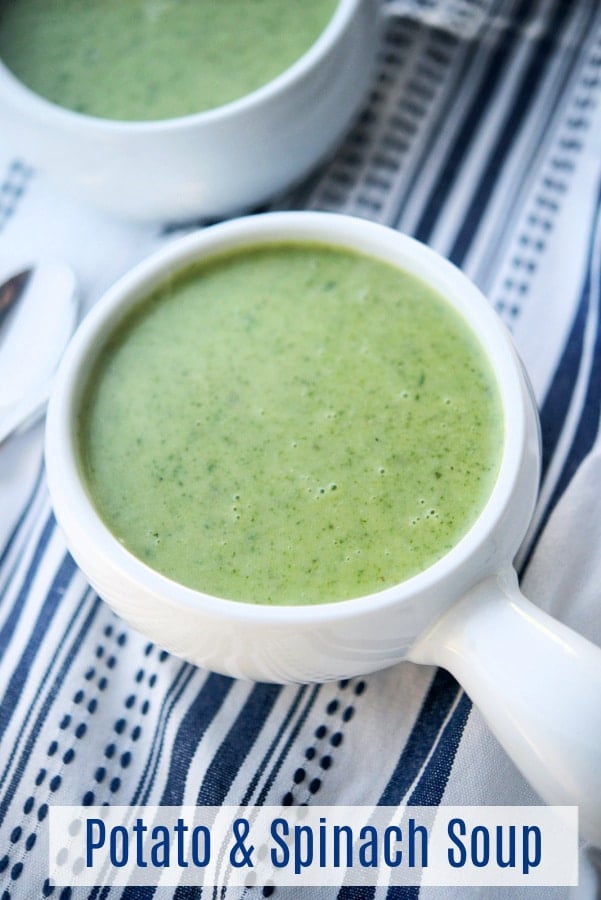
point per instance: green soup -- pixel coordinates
(154, 59)
(292, 423)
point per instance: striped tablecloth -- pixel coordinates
(482, 137)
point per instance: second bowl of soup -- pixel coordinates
(175, 111)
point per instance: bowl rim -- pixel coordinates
(39, 105)
(69, 495)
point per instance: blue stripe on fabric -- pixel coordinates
(495, 70)
(13, 617)
(437, 704)
(131, 892)
(51, 696)
(273, 744)
(185, 674)
(586, 432)
(226, 763)
(18, 680)
(560, 394)
(357, 892)
(192, 727)
(435, 708)
(431, 786)
(194, 893)
(237, 744)
(142, 792)
(403, 892)
(25, 512)
(508, 131)
(286, 749)
(433, 781)
(190, 732)
(190, 892)
(470, 51)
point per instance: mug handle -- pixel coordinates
(536, 682)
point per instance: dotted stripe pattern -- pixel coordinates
(462, 17)
(361, 176)
(107, 774)
(319, 756)
(557, 174)
(12, 189)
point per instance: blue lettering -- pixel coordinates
(392, 833)
(203, 860)
(480, 861)
(457, 860)
(323, 842)
(180, 828)
(138, 829)
(509, 861)
(347, 831)
(303, 847)
(414, 830)
(119, 859)
(91, 843)
(159, 853)
(529, 861)
(276, 826)
(369, 835)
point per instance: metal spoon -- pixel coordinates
(38, 313)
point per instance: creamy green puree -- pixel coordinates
(154, 59)
(293, 423)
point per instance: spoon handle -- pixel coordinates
(10, 292)
(33, 339)
(537, 683)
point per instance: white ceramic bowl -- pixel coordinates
(299, 643)
(537, 682)
(215, 162)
